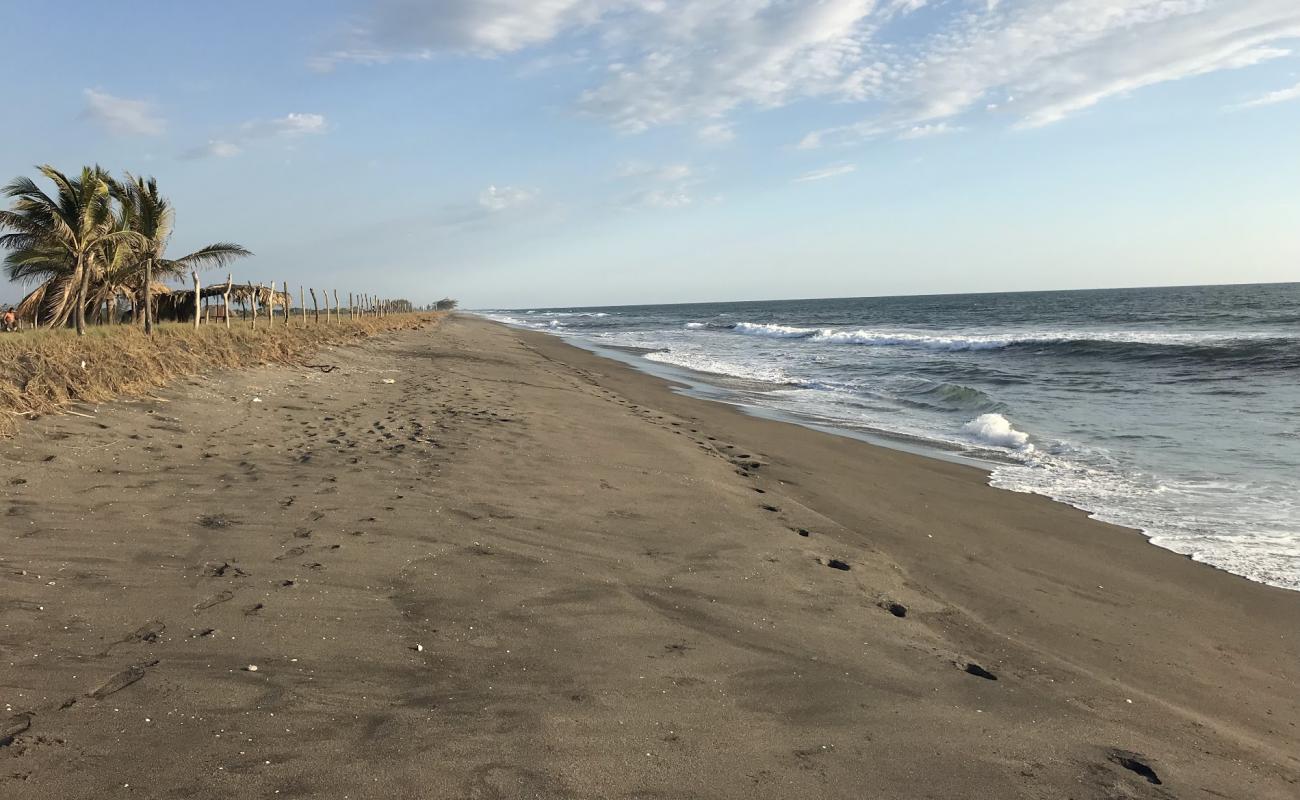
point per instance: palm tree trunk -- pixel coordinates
(83, 289)
(148, 297)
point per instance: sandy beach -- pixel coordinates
(476, 562)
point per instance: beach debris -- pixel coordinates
(250, 668)
(802, 531)
(972, 668)
(225, 569)
(835, 563)
(149, 632)
(10, 728)
(419, 648)
(894, 607)
(389, 380)
(1135, 762)
(257, 399)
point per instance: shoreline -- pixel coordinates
(988, 463)
(526, 570)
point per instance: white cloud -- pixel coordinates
(662, 62)
(500, 198)
(658, 185)
(662, 198)
(640, 169)
(716, 133)
(216, 148)
(290, 126)
(928, 130)
(1279, 96)
(122, 117)
(1043, 61)
(833, 171)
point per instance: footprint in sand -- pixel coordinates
(121, 680)
(220, 597)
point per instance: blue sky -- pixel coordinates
(571, 152)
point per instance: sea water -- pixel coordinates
(1175, 411)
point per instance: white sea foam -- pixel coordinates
(695, 325)
(883, 339)
(988, 341)
(996, 430)
(773, 331)
(701, 362)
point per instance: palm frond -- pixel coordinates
(214, 255)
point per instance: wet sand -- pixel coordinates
(523, 571)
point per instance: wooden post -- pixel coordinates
(337, 318)
(288, 301)
(197, 299)
(315, 310)
(226, 299)
(252, 300)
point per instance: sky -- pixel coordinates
(535, 153)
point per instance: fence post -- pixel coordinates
(226, 299)
(197, 299)
(252, 301)
(315, 309)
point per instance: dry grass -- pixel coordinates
(43, 372)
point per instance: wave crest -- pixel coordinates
(996, 430)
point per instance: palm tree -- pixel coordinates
(64, 235)
(151, 217)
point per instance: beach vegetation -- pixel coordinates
(94, 247)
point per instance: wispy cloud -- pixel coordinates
(658, 185)
(664, 62)
(667, 173)
(500, 198)
(1271, 98)
(716, 133)
(928, 130)
(833, 171)
(216, 148)
(121, 116)
(289, 126)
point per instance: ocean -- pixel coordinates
(1175, 411)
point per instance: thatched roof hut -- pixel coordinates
(178, 304)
